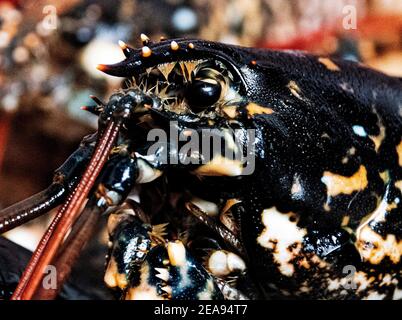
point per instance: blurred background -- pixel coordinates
(49, 51)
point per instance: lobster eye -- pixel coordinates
(203, 93)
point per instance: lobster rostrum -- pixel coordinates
(318, 192)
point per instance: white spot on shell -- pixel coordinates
(360, 131)
(373, 248)
(337, 184)
(279, 234)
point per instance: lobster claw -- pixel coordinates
(171, 272)
(130, 243)
(143, 265)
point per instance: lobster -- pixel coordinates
(304, 182)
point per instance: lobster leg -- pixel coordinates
(65, 178)
(219, 229)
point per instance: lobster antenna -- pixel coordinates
(65, 218)
(98, 101)
(32, 207)
(96, 110)
(82, 231)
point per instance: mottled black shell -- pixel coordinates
(314, 137)
(325, 195)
